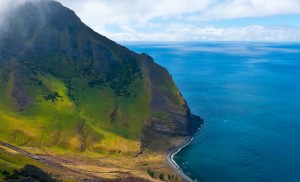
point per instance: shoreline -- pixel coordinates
(173, 164)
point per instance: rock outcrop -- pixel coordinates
(171, 116)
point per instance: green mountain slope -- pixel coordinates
(65, 87)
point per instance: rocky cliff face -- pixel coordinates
(82, 88)
(171, 116)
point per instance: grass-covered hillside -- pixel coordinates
(82, 103)
(68, 87)
(76, 117)
(65, 87)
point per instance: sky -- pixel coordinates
(189, 20)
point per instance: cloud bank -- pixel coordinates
(125, 11)
(9, 6)
(188, 20)
(186, 33)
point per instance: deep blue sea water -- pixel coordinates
(249, 96)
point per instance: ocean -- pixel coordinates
(248, 93)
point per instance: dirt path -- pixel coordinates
(79, 168)
(51, 163)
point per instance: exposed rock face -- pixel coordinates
(171, 116)
(19, 93)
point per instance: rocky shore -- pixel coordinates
(173, 151)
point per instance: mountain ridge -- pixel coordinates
(65, 87)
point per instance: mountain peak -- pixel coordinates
(38, 19)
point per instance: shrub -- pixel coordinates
(151, 173)
(161, 176)
(52, 96)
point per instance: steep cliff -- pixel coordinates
(64, 85)
(170, 114)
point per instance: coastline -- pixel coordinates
(173, 164)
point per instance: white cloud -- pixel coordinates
(174, 20)
(184, 33)
(178, 20)
(252, 8)
(124, 11)
(101, 13)
(8, 6)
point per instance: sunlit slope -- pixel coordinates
(81, 118)
(65, 87)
